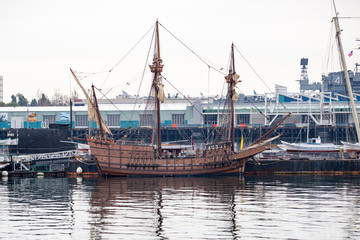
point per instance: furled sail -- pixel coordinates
(90, 105)
(235, 96)
(91, 108)
(236, 77)
(161, 93)
(233, 79)
(105, 127)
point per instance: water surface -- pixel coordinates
(253, 207)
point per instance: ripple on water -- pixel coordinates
(277, 207)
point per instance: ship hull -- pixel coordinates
(118, 159)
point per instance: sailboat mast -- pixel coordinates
(71, 120)
(156, 68)
(348, 84)
(97, 112)
(232, 87)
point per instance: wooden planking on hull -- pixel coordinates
(123, 160)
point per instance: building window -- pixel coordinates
(242, 118)
(113, 120)
(146, 120)
(178, 119)
(341, 118)
(47, 119)
(81, 120)
(210, 119)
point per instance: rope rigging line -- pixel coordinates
(183, 134)
(252, 103)
(202, 115)
(329, 52)
(308, 129)
(187, 99)
(110, 89)
(126, 54)
(222, 130)
(197, 55)
(143, 74)
(224, 108)
(103, 95)
(86, 75)
(348, 17)
(256, 73)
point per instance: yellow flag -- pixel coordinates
(241, 143)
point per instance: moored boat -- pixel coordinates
(312, 145)
(351, 147)
(150, 158)
(313, 157)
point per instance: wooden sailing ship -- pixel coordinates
(124, 158)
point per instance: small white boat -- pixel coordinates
(351, 147)
(312, 145)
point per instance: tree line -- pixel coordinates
(58, 99)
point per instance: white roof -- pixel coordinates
(102, 107)
(137, 107)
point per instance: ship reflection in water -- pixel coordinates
(267, 207)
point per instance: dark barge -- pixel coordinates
(303, 166)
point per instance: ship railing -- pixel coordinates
(126, 142)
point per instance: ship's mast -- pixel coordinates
(93, 108)
(156, 68)
(231, 79)
(97, 112)
(348, 84)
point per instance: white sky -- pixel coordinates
(41, 39)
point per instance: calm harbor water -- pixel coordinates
(253, 207)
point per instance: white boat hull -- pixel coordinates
(309, 147)
(351, 147)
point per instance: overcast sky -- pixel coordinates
(41, 39)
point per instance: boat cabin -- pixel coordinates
(314, 140)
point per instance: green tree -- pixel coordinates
(44, 100)
(13, 101)
(33, 102)
(22, 101)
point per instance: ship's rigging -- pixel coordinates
(151, 114)
(136, 158)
